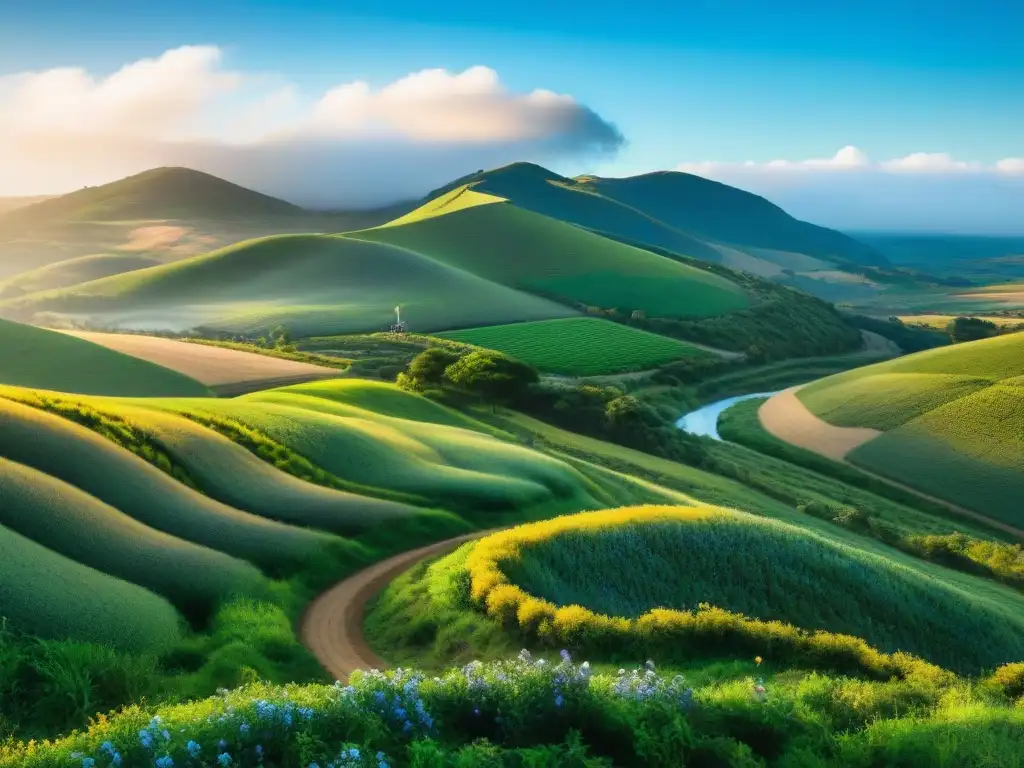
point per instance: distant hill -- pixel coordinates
(160, 193)
(72, 272)
(11, 203)
(687, 214)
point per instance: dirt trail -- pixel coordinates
(788, 419)
(785, 417)
(332, 626)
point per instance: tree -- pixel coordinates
(427, 368)
(281, 336)
(970, 329)
(491, 375)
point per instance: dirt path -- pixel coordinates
(788, 419)
(785, 417)
(332, 626)
(217, 367)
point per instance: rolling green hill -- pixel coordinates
(160, 193)
(519, 248)
(313, 284)
(72, 272)
(43, 359)
(951, 418)
(681, 212)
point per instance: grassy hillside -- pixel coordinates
(73, 271)
(681, 212)
(313, 284)
(580, 346)
(735, 562)
(54, 597)
(518, 248)
(43, 359)
(951, 418)
(160, 193)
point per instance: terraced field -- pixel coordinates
(951, 418)
(580, 346)
(43, 359)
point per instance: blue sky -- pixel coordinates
(725, 80)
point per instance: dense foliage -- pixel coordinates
(906, 337)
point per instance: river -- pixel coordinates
(704, 421)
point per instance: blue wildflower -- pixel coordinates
(224, 759)
(165, 762)
(353, 753)
(244, 729)
(107, 747)
(88, 762)
(146, 738)
(222, 745)
(193, 749)
(559, 701)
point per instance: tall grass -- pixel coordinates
(683, 581)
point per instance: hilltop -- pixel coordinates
(684, 213)
(160, 193)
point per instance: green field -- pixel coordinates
(313, 284)
(951, 419)
(521, 249)
(42, 359)
(580, 346)
(765, 570)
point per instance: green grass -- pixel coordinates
(312, 284)
(108, 474)
(517, 248)
(81, 269)
(579, 346)
(934, 407)
(82, 528)
(770, 571)
(52, 596)
(42, 359)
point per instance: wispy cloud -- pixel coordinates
(65, 127)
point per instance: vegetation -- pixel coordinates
(579, 346)
(539, 254)
(42, 359)
(659, 601)
(314, 285)
(903, 332)
(933, 405)
(73, 271)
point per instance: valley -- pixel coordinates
(524, 463)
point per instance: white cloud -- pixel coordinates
(850, 158)
(62, 128)
(920, 191)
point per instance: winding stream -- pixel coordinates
(704, 421)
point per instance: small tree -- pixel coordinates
(427, 369)
(970, 329)
(281, 336)
(491, 376)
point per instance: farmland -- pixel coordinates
(932, 406)
(217, 367)
(42, 359)
(579, 346)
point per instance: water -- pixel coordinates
(704, 421)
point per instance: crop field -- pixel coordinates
(525, 250)
(210, 365)
(951, 418)
(312, 284)
(43, 359)
(670, 559)
(582, 346)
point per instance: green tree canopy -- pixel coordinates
(971, 329)
(491, 375)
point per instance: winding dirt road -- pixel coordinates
(332, 626)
